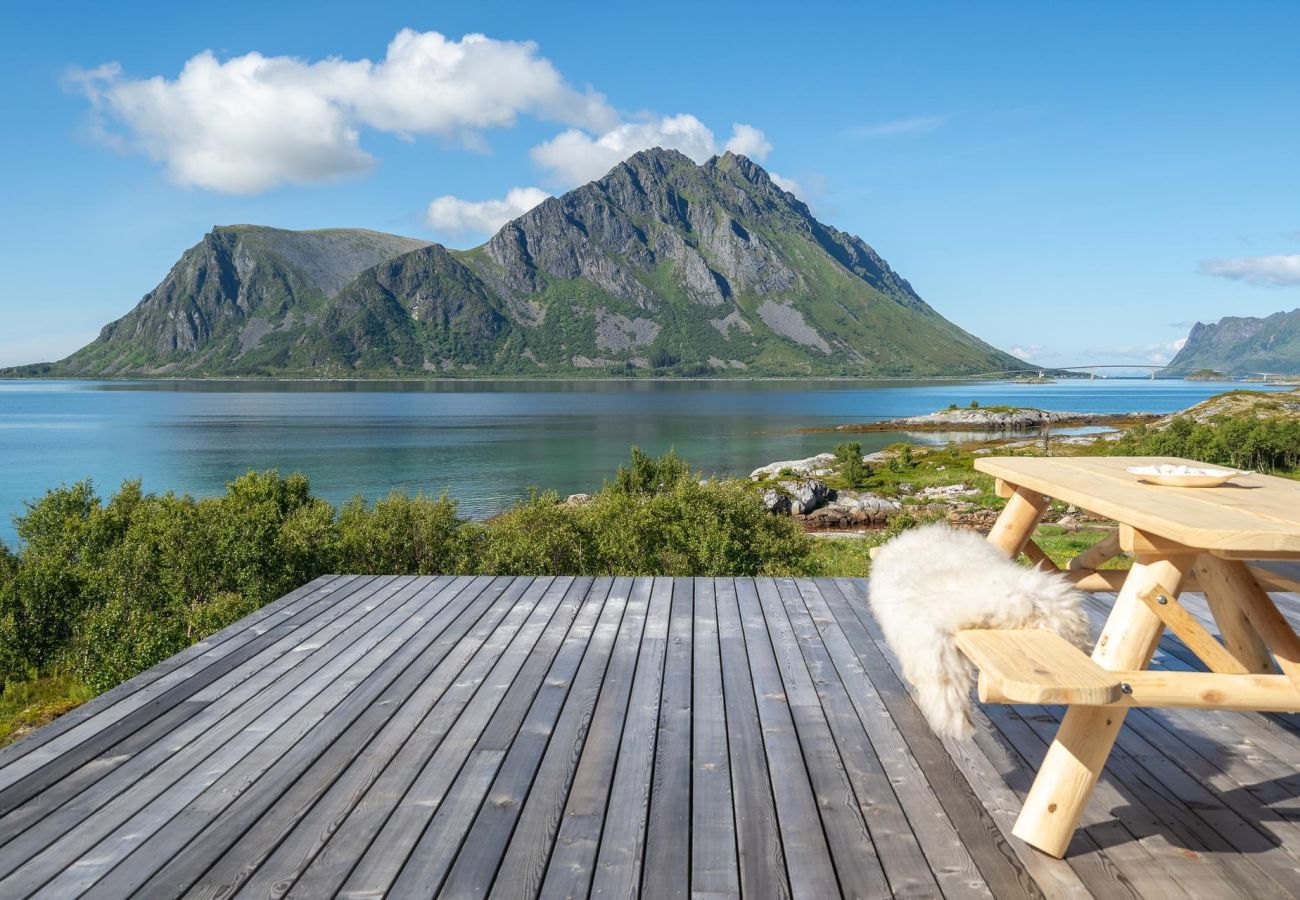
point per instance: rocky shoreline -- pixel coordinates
(997, 419)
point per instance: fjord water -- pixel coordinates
(484, 442)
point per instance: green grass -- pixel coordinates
(27, 705)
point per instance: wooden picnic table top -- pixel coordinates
(1254, 515)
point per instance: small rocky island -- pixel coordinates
(999, 418)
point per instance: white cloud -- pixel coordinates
(1274, 271)
(576, 156)
(749, 141)
(1027, 352)
(253, 122)
(458, 217)
(899, 127)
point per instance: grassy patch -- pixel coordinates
(1062, 545)
(27, 705)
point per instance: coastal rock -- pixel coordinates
(948, 491)
(805, 496)
(996, 419)
(819, 464)
(853, 509)
(577, 499)
(776, 502)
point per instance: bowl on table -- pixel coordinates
(1184, 476)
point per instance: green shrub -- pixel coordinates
(648, 475)
(538, 536)
(402, 535)
(1243, 441)
(851, 467)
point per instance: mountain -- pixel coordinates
(235, 302)
(1243, 346)
(662, 265)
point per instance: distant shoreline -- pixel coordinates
(410, 379)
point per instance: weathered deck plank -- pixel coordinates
(518, 737)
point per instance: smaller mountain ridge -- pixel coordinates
(1239, 345)
(235, 302)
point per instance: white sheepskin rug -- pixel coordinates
(928, 583)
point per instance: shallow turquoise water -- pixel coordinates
(484, 442)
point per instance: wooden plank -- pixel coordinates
(758, 835)
(99, 843)
(940, 844)
(84, 740)
(306, 793)
(1001, 867)
(245, 629)
(372, 857)
(523, 867)
(432, 856)
(485, 841)
(573, 858)
(853, 851)
(714, 867)
(130, 786)
(668, 841)
(807, 856)
(904, 861)
(617, 870)
(1111, 857)
(1172, 836)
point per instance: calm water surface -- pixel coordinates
(484, 442)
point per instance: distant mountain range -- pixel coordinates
(663, 265)
(1243, 346)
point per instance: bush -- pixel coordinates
(402, 535)
(852, 469)
(1243, 442)
(648, 475)
(538, 536)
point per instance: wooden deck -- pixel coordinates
(574, 737)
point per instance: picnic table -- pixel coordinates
(1232, 543)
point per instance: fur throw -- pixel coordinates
(930, 582)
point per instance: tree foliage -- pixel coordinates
(1245, 442)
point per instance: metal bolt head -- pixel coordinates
(1126, 688)
(1162, 599)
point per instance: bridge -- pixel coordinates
(1091, 369)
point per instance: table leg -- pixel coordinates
(1226, 584)
(1074, 761)
(1017, 521)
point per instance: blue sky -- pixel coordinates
(1075, 184)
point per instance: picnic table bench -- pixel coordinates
(1234, 543)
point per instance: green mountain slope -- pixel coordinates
(235, 302)
(1243, 346)
(663, 265)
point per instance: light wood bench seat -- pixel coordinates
(1035, 666)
